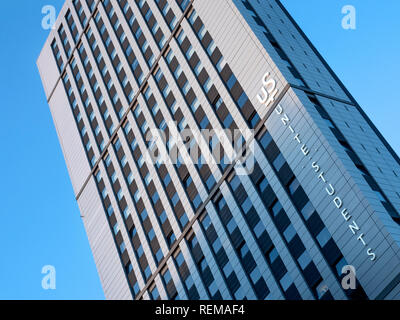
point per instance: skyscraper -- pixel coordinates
(215, 155)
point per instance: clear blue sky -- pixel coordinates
(40, 223)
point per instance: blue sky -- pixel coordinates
(40, 219)
(365, 59)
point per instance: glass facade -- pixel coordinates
(147, 77)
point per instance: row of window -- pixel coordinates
(95, 88)
(355, 159)
(305, 209)
(272, 258)
(297, 77)
(120, 197)
(235, 89)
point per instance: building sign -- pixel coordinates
(320, 173)
(268, 91)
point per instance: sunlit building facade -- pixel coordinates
(306, 187)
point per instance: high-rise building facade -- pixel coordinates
(306, 187)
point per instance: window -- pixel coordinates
(289, 233)
(217, 245)
(228, 269)
(151, 234)
(202, 32)
(308, 210)
(228, 121)
(321, 289)
(173, 23)
(171, 239)
(147, 179)
(273, 255)
(110, 211)
(254, 119)
(129, 268)
(124, 161)
(159, 255)
(120, 194)
(231, 82)
(179, 259)
(262, 185)
(221, 204)
(136, 196)
(198, 68)
(117, 145)
(279, 162)
(193, 241)
(184, 220)
(194, 105)
(166, 91)
(218, 103)
(255, 275)
(235, 183)
(167, 277)
(126, 213)
(169, 56)
(276, 208)
(193, 17)
(210, 182)
(259, 229)
(213, 288)
(181, 37)
(155, 109)
(339, 266)
(304, 260)
(116, 230)
(323, 237)
(265, 140)
(231, 226)
(163, 217)
(207, 85)
(186, 88)
(247, 205)
(294, 186)
(242, 100)
(189, 282)
(143, 214)
(286, 281)
(206, 222)
(244, 250)
(167, 180)
(134, 144)
(211, 47)
(140, 251)
(239, 294)
(189, 52)
(175, 199)
(203, 265)
(141, 162)
(136, 288)
(197, 201)
(132, 232)
(187, 181)
(147, 272)
(155, 295)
